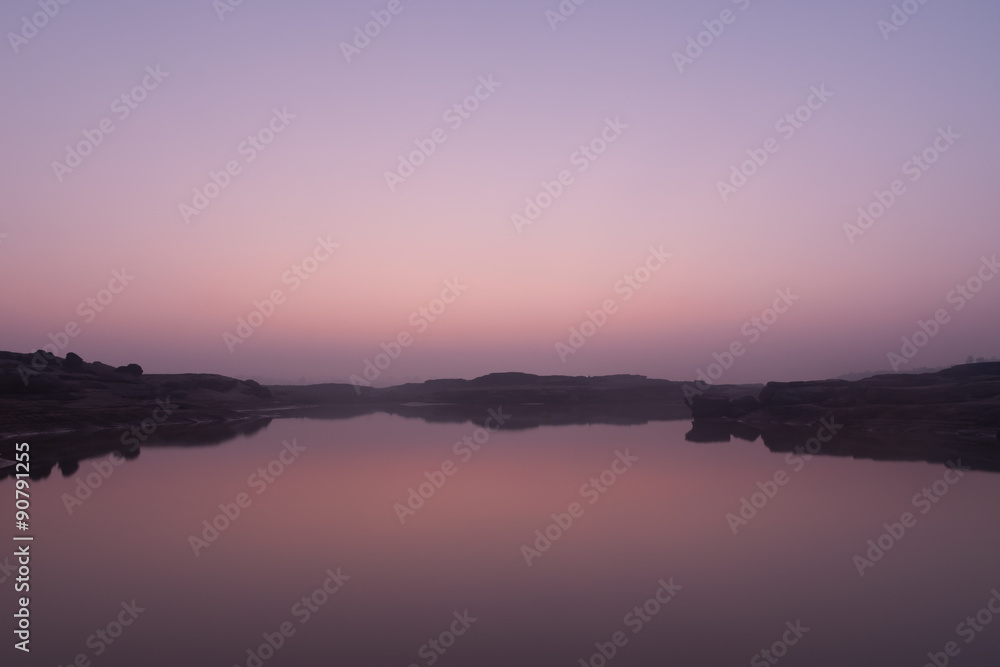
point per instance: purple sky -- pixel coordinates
(623, 135)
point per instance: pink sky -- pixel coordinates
(552, 92)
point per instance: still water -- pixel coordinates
(647, 561)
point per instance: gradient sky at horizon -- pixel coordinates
(323, 176)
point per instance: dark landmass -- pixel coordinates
(958, 400)
(940, 417)
(79, 397)
(71, 409)
(861, 375)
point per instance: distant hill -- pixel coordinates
(44, 393)
(933, 416)
(861, 375)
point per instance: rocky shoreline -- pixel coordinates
(916, 417)
(963, 398)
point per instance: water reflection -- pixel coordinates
(659, 528)
(889, 442)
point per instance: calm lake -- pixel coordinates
(570, 545)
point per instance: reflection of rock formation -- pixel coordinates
(883, 440)
(50, 451)
(720, 430)
(892, 441)
(522, 416)
(710, 430)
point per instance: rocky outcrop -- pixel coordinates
(931, 417)
(41, 392)
(966, 396)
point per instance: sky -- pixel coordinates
(263, 190)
